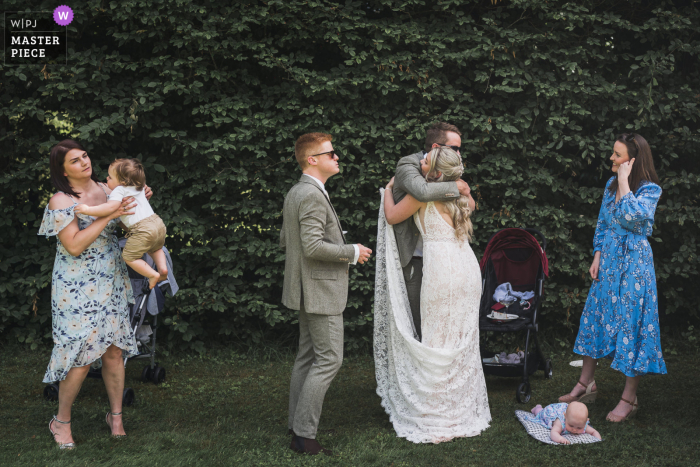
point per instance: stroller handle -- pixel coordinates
(543, 240)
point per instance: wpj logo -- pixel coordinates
(37, 37)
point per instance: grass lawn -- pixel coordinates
(228, 408)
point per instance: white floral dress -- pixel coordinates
(90, 296)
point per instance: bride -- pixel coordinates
(433, 390)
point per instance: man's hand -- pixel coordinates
(364, 254)
(463, 187)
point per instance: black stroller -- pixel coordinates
(514, 256)
(143, 316)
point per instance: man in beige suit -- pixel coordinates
(316, 284)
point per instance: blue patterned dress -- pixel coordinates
(553, 412)
(90, 294)
(621, 316)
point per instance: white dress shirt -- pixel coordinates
(323, 187)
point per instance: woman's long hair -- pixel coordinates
(57, 158)
(446, 166)
(643, 168)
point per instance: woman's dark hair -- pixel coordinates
(643, 168)
(57, 158)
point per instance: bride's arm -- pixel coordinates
(396, 213)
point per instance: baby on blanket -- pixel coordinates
(563, 419)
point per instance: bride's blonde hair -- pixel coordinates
(446, 166)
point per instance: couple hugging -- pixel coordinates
(428, 289)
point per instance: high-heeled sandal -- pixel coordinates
(110, 425)
(635, 406)
(588, 396)
(60, 445)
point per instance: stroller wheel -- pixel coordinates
(51, 392)
(129, 397)
(146, 374)
(523, 393)
(158, 375)
(548, 369)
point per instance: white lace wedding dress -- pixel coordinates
(433, 390)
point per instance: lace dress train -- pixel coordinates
(433, 390)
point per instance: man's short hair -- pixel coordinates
(437, 133)
(306, 143)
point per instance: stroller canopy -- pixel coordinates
(516, 257)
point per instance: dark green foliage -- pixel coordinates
(212, 95)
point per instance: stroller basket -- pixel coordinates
(515, 256)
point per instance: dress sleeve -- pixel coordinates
(56, 220)
(635, 211)
(602, 224)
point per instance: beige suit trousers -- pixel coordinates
(318, 361)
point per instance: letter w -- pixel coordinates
(63, 15)
(16, 24)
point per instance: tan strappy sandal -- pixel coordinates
(635, 406)
(588, 396)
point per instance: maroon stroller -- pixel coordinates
(516, 257)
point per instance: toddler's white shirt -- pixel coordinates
(141, 211)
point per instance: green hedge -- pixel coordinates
(211, 95)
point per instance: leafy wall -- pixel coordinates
(211, 95)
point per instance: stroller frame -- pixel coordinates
(532, 361)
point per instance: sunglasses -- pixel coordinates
(630, 138)
(454, 148)
(332, 154)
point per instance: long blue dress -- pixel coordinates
(621, 316)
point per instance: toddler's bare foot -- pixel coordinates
(153, 279)
(536, 409)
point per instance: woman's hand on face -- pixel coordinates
(623, 172)
(595, 266)
(147, 192)
(390, 185)
(128, 203)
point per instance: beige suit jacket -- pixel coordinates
(316, 262)
(409, 179)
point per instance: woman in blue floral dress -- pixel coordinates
(90, 290)
(621, 317)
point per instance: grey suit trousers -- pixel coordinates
(413, 276)
(318, 361)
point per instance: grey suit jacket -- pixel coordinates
(409, 179)
(316, 262)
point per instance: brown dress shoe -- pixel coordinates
(308, 446)
(329, 432)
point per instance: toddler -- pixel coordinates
(146, 229)
(562, 419)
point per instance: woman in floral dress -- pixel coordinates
(90, 290)
(621, 317)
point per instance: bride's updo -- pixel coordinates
(446, 166)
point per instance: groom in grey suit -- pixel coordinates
(410, 180)
(316, 284)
